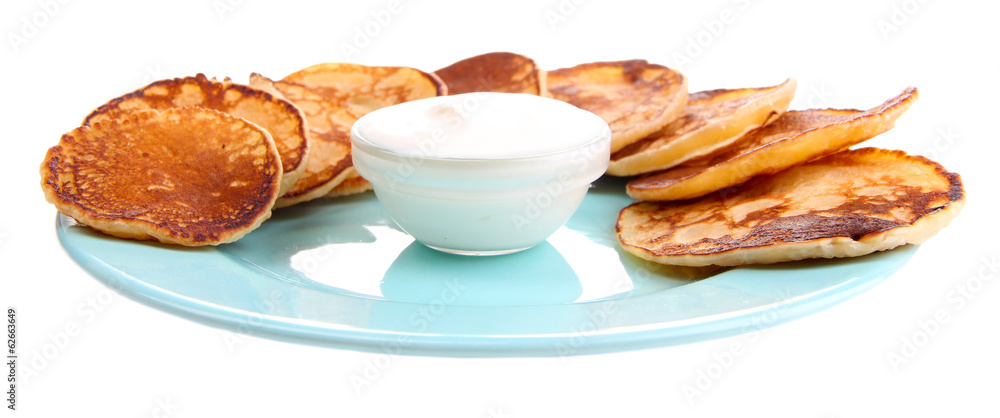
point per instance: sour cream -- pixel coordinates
(481, 173)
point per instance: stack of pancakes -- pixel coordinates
(779, 185)
(736, 178)
(723, 177)
(195, 161)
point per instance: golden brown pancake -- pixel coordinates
(329, 141)
(712, 120)
(635, 97)
(847, 204)
(794, 138)
(188, 175)
(333, 96)
(284, 121)
(361, 89)
(502, 72)
(353, 184)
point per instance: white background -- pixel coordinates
(61, 59)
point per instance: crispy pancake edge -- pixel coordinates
(342, 169)
(353, 184)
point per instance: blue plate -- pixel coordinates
(340, 273)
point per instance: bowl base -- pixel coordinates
(478, 252)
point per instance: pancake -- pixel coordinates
(361, 89)
(329, 141)
(333, 96)
(635, 97)
(847, 204)
(712, 120)
(284, 121)
(353, 184)
(188, 176)
(794, 138)
(502, 72)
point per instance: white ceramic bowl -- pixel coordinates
(481, 173)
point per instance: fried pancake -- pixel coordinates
(188, 175)
(847, 204)
(635, 97)
(353, 184)
(333, 96)
(284, 121)
(794, 138)
(361, 89)
(502, 72)
(712, 120)
(329, 141)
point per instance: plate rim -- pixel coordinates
(599, 340)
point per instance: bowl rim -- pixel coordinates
(359, 142)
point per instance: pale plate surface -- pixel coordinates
(339, 273)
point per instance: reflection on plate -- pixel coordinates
(340, 273)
